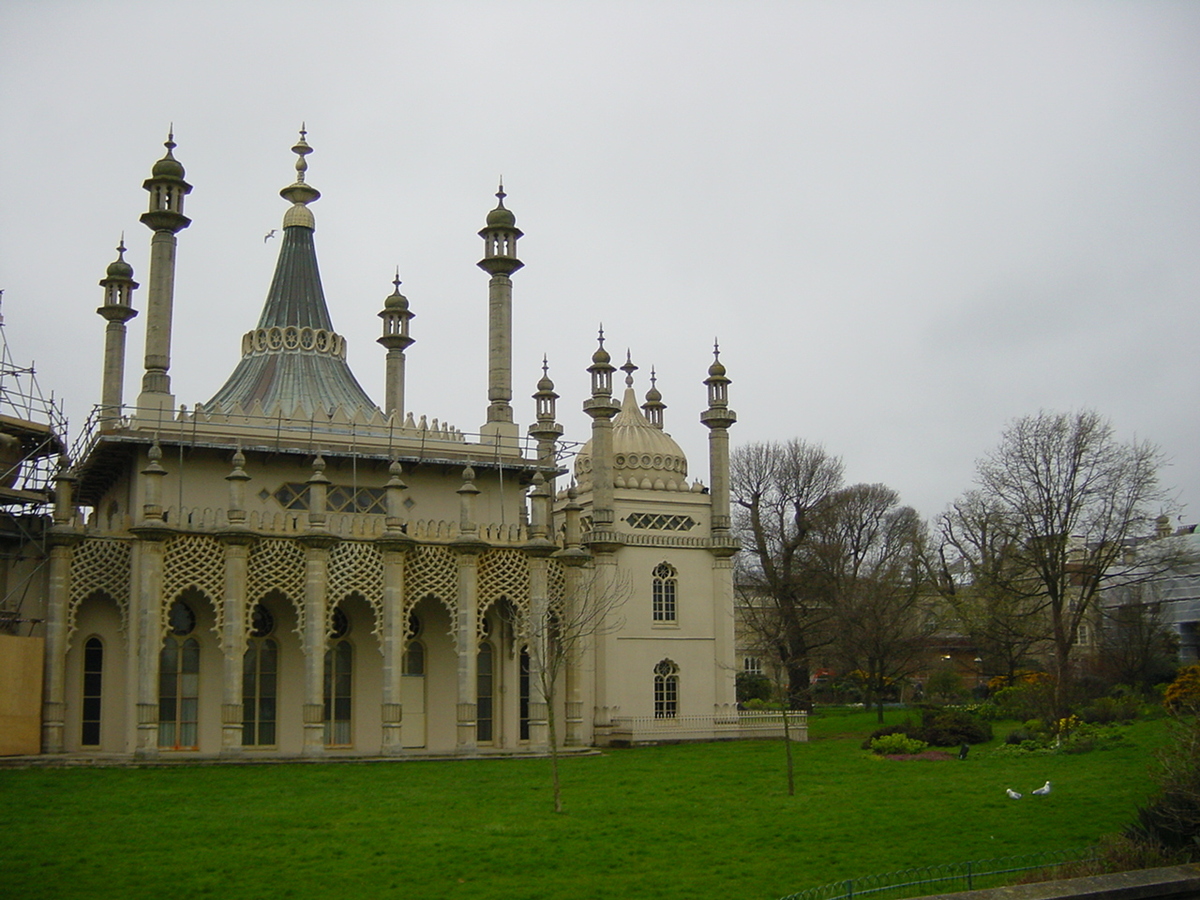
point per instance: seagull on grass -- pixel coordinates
(1013, 794)
(1043, 790)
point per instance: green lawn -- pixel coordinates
(690, 821)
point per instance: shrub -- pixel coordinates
(1032, 699)
(1110, 709)
(951, 727)
(906, 729)
(1171, 820)
(1183, 694)
(1020, 736)
(897, 744)
(751, 686)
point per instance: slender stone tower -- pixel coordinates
(166, 219)
(396, 316)
(718, 417)
(602, 408)
(500, 236)
(118, 309)
(546, 430)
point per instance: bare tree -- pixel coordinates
(559, 636)
(869, 554)
(976, 566)
(778, 491)
(1068, 498)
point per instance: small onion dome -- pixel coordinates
(545, 383)
(601, 355)
(654, 395)
(716, 369)
(396, 300)
(501, 217)
(168, 166)
(118, 268)
(643, 456)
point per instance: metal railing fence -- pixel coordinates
(940, 879)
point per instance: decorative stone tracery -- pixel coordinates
(99, 566)
(278, 565)
(309, 340)
(194, 561)
(432, 571)
(357, 567)
(502, 573)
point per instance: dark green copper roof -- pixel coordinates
(284, 379)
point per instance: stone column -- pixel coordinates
(392, 641)
(147, 603)
(314, 639)
(54, 677)
(467, 645)
(724, 658)
(234, 639)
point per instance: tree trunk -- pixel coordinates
(552, 723)
(787, 743)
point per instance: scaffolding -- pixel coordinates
(33, 433)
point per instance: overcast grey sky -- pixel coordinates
(907, 222)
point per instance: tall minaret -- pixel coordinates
(602, 407)
(546, 429)
(718, 417)
(396, 316)
(500, 261)
(118, 309)
(166, 219)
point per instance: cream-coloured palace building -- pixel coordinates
(289, 569)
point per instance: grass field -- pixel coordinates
(689, 821)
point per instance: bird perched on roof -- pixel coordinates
(1043, 790)
(1013, 794)
(268, 235)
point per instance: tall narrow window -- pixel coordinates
(260, 672)
(663, 588)
(483, 695)
(414, 652)
(524, 690)
(339, 662)
(179, 682)
(666, 690)
(93, 667)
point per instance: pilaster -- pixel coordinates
(314, 639)
(234, 639)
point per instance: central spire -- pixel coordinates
(294, 360)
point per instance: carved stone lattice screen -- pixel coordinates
(277, 565)
(194, 561)
(356, 567)
(432, 571)
(502, 573)
(99, 566)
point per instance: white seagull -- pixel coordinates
(1043, 790)
(268, 235)
(1013, 794)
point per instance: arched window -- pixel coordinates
(339, 664)
(524, 692)
(93, 668)
(179, 682)
(663, 587)
(414, 651)
(666, 690)
(483, 695)
(260, 673)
